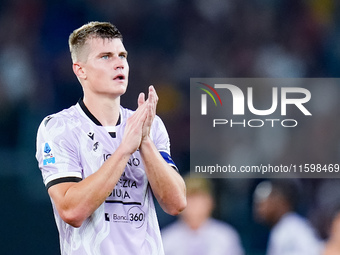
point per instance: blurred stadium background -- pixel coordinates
(169, 41)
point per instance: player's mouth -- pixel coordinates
(119, 77)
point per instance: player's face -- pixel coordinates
(198, 210)
(106, 68)
(265, 210)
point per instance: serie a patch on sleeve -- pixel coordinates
(48, 157)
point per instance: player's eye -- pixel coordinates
(105, 57)
(123, 55)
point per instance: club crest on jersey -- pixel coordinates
(48, 157)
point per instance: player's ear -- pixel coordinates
(79, 70)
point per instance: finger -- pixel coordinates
(139, 116)
(150, 115)
(152, 88)
(141, 99)
(153, 98)
(154, 94)
(151, 94)
(136, 121)
(141, 112)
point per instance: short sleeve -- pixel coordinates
(161, 139)
(57, 152)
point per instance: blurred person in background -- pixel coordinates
(275, 202)
(196, 232)
(332, 245)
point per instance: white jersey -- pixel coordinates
(71, 145)
(293, 235)
(214, 237)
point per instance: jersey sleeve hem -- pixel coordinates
(62, 177)
(61, 180)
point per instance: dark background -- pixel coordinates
(169, 42)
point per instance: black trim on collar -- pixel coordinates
(90, 115)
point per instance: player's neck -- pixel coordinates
(106, 110)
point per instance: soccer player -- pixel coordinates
(275, 202)
(101, 162)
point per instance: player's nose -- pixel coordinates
(119, 63)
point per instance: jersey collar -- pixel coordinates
(91, 116)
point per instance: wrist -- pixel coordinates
(145, 143)
(124, 151)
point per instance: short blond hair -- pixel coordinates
(198, 186)
(93, 29)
